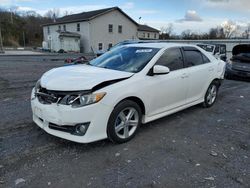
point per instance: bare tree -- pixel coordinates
(216, 33)
(229, 28)
(52, 14)
(246, 33)
(186, 34)
(166, 31)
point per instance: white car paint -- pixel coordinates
(161, 94)
(79, 77)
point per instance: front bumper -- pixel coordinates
(96, 115)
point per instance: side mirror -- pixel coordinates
(159, 69)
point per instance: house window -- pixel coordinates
(148, 35)
(59, 28)
(64, 27)
(110, 45)
(119, 28)
(110, 28)
(155, 35)
(78, 28)
(143, 35)
(48, 30)
(100, 46)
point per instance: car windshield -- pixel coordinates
(128, 59)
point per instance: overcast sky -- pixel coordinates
(197, 15)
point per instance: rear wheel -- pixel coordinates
(211, 94)
(124, 121)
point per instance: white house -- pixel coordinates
(96, 30)
(147, 33)
(68, 41)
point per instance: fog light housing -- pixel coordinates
(81, 129)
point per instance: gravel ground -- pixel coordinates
(196, 147)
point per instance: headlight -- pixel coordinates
(85, 99)
(37, 86)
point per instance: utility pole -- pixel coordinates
(1, 41)
(23, 39)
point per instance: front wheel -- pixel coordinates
(124, 121)
(211, 95)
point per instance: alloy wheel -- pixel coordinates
(212, 94)
(126, 122)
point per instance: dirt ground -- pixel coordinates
(196, 147)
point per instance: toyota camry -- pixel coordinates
(112, 95)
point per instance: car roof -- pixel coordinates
(160, 45)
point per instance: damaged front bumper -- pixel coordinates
(65, 122)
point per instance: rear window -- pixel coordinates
(193, 58)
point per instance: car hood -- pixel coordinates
(79, 77)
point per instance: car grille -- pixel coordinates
(48, 97)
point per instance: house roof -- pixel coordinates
(86, 16)
(68, 34)
(147, 28)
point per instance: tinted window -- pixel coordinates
(172, 58)
(193, 58)
(205, 59)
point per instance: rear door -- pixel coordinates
(199, 70)
(167, 91)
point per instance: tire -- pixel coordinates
(211, 94)
(122, 127)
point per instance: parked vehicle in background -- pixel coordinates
(218, 50)
(78, 60)
(239, 65)
(111, 96)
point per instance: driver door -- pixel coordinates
(168, 91)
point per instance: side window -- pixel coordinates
(222, 49)
(78, 27)
(110, 45)
(205, 59)
(193, 58)
(48, 30)
(100, 46)
(217, 49)
(172, 58)
(119, 28)
(110, 28)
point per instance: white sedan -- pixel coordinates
(110, 96)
